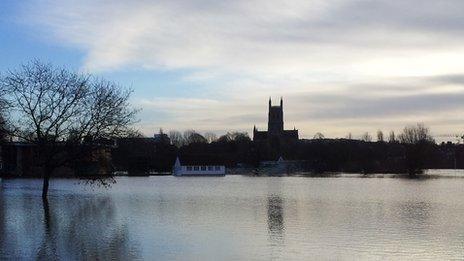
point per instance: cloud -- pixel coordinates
(341, 64)
(249, 37)
(334, 112)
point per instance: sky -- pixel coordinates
(341, 66)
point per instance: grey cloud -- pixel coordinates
(372, 24)
(448, 79)
(420, 14)
(250, 119)
(403, 85)
(394, 97)
(348, 107)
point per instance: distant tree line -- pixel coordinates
(412, 151)
(188, 137)
(140, 155)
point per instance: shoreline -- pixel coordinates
(428, 174)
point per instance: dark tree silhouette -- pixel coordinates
(318, 136)
(176, 138)
(417, 141)
(380, 136)
(415, 134)
(210, 137)
(238, 136)
(366, 137)
(191, 136)
(391, 137)
(65, 114)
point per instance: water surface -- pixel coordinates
(234, 218)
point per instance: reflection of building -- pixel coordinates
(275, 127)
(279, 166)
(275, 217)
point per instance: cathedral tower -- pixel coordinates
(275, 125)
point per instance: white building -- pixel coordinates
(194, 167)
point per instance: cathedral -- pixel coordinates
(275, 127)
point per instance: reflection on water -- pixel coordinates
(275, 218)
(233, 218)
(415, 212)
(47, 249)
(91, 232)
(69, 229)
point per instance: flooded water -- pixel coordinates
(234, 218)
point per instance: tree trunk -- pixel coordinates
(46, 183)
(48, 169)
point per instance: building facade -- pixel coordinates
(198, 166)
(275, 127)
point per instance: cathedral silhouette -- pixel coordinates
(275, 127)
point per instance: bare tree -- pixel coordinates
(366, 137)
(132, 133)
(318, 136)
(161, 137)
(224, 138)
(239, 136)
(391, 137)
(66, 114)
(5, 127)
(191, 136)
(210, 137)
(417, 141)
(415, 134)
(380, 136)
(176, 138)
(234, 136)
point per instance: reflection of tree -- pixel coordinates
(47, 250)
(9, 222)
(275, 217)
(415, 212)
(91, 231)
(2, 221)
